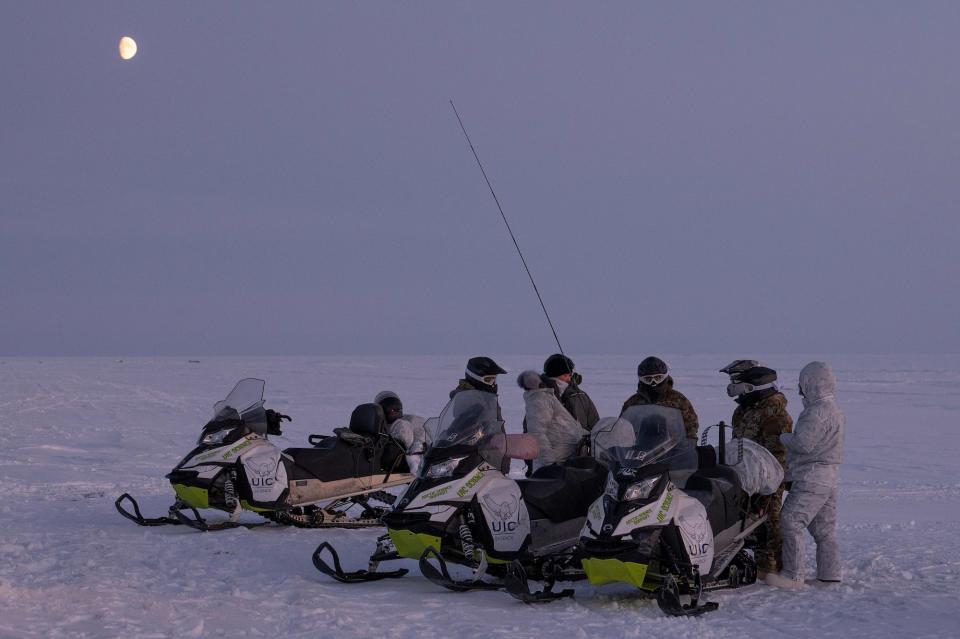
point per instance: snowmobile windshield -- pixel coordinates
(642, 435)
(245, 402)
(470, 419)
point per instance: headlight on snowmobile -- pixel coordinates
(216, 437)
(641, 489)
(444, 468)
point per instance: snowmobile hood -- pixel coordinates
(817, 382)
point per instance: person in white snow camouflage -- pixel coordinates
(814, 453)
(557, 431)
(408, 430)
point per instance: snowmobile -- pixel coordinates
(672, 520)
(463, 509)
(236, 468)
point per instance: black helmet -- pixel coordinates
(557, 365)
(391, 405)
(735, 368)
(482, 368)
(755, 378)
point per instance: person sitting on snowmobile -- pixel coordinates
(814, 453)
(559, 434)
(481, 374)
(655, 386)
(407, 430)
(761, 416)
(558, 373)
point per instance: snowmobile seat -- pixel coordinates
(706, 457)
(719, 491)
(368, 420)
(339, 461)
(561, 492)
(720, 471)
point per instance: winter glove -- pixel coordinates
(273, 421)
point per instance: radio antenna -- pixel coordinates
(509, 230)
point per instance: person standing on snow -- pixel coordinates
(761, 415)
(558, 373)
(406, 429)
(557, 431)
(655, 386)
(814, 452)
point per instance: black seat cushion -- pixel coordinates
(706, 456)
(718, 489)
(367, 419)
(564, 491)
(341, 461)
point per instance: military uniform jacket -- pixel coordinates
(668, 398)
(763, 422)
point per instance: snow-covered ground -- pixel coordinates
(78, 432)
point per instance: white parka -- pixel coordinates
(410, 432)
(557, 431)
(815, 447)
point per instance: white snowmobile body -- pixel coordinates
(236, 467)
(465, 507)
(669, 508)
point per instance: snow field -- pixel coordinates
(78, 432)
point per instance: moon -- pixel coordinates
(128, 47)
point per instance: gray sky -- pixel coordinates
(683, 177)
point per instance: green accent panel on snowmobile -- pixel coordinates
(196, 497)
(608, 571)
(410, 544)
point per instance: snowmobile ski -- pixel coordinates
(197, 522)
(442, 577)
(137, 517)
(357, 576)
(668, 599)
(517, 584)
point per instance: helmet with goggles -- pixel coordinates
(483, 370)
(652, 371)
(751, 380)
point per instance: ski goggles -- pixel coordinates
(742, 388)
(653, 380)
(489, 380)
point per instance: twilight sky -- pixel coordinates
(289, 178)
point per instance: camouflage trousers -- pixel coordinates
(769, 550)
